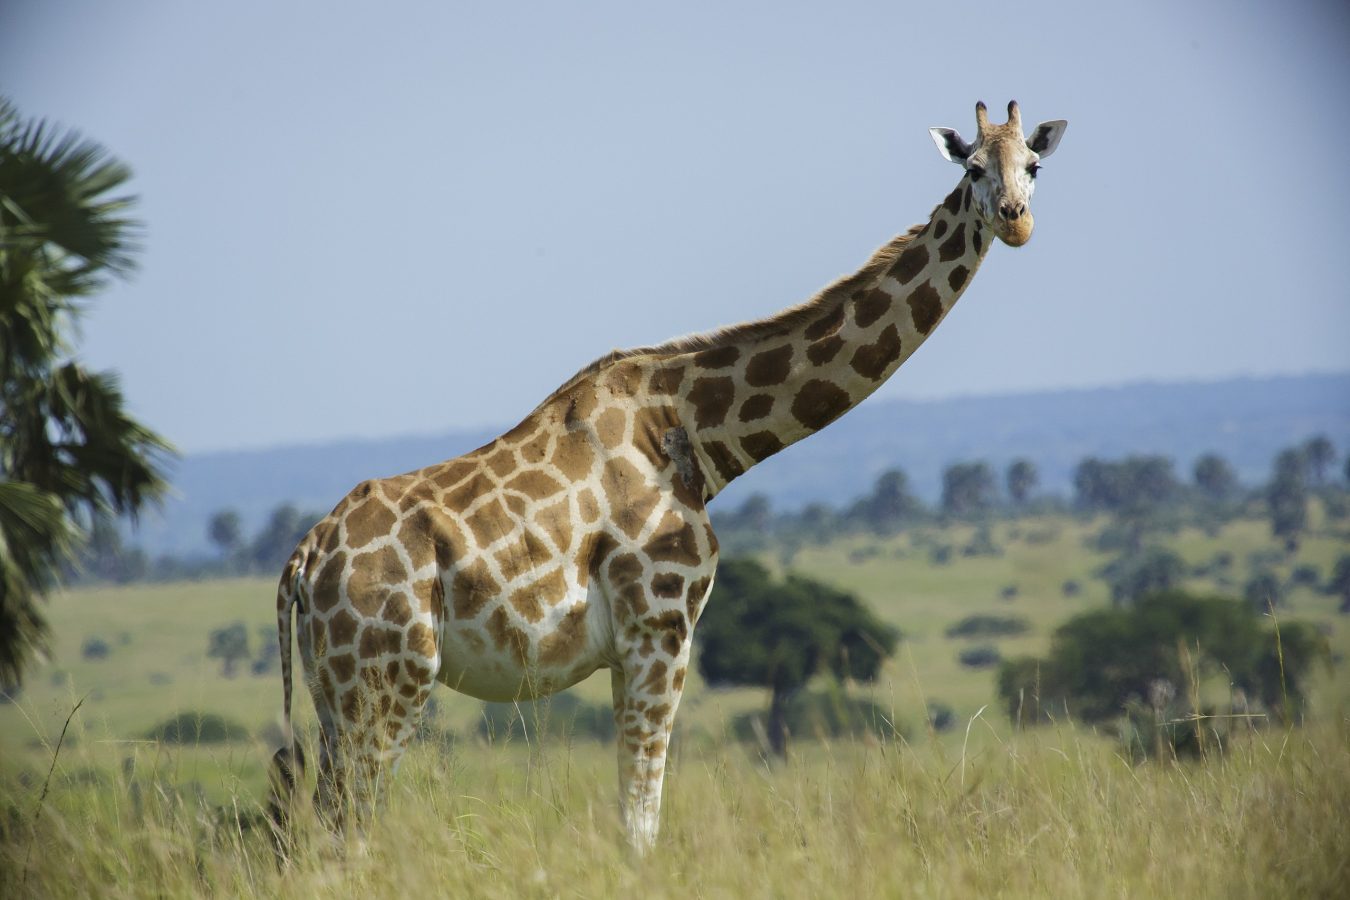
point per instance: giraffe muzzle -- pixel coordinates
(1014, 230)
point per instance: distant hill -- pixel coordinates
(1246, 420)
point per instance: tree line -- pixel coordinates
(1142, 497)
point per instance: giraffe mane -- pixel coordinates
(776, 324)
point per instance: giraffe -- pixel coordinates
(579, 539)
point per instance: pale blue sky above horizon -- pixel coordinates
(365, 220)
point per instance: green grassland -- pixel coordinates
(979, 810)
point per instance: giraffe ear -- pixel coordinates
(1045, 137)
(950, 145)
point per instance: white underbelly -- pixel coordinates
(513, 659)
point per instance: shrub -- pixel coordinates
(940, 716)
(95, 648)
(1306, 575)
(1102, 660)
(988, 626)
(197, 728)
(1071, 588)
(1263, 590)
(981, 657)
(824, 714)
(1008, 593)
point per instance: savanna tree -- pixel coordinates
(70, 455)
(779, 634)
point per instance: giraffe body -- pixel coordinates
(579, 539)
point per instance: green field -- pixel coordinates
(978, 810)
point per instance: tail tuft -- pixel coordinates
(288, 767)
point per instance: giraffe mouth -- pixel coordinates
(1015, 233)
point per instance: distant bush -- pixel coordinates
(560, 715)
(197, 728)
(95, 648)
(1306, 575)
(1101, 661)
(981, 544)
(1070, 588)
(981, 657)
(941, 716)
(860, 555)
(159, 679)
(1008, 592)
(940, 555)
(1042, 535)
(821, 714)
(1263, 590)
(988, 626)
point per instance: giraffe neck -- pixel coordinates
(757, 388)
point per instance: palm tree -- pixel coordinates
(69, 453)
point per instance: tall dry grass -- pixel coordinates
(1046, 813)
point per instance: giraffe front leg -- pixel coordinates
(646, 694)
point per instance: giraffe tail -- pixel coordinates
(288, 763)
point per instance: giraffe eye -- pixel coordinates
(975, 172)
(1033, 169)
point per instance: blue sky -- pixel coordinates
(379, 219)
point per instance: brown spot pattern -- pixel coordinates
(819, 403)
(522, 554)
(669, 585)
(328, 583)
(610, 427)
(588, 505)
(910, 263)
(871, 360)
(342, 628)
(717, 357)
(869, 306)
(712, 397)
(573, 455)
(368, 521)
(824, 350)
(674, 541)
(726, 463)
(955, 246)
(422, 641)
(756, 406)
(827, 324)
(762, 444)
(535, 484)
(471, 589)
(769, 367)
(396, 610)
(486, 522)
(343, 667)
(376, 641)
(566, 641)
(630, 498)
(547, 591)
(506, 636)
(925, 307)
(957, 277)
(372, 573)
(666, 381)
(953, 202)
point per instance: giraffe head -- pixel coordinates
(1001, 166)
